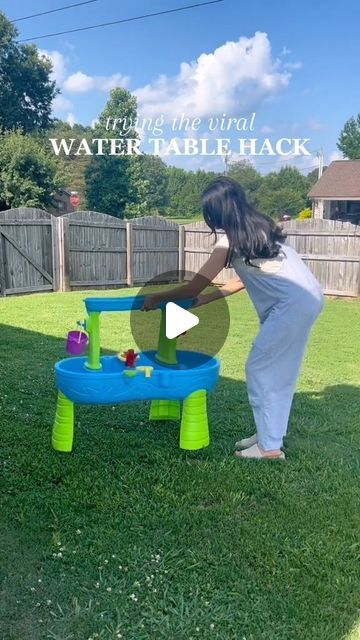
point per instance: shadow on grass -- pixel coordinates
(272, 548)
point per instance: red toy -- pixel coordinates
(129, 357)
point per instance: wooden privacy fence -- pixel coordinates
(86, 249)
(26, 251)
(100, 250)
(330, 249)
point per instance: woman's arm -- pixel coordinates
(232, 286)
(192, 289)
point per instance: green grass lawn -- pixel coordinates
(129, 537)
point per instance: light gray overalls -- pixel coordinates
(288, 299)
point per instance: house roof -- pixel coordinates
(340, 181)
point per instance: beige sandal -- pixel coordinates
(245, 443)
(254, 452)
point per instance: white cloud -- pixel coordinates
(305, 164)
(285, 51)
(336, 155)
(58, 61)
(266, 129)
(236, 78)
(293, 66)
(80, 82)
(316, 125)
(61, 104)
(71, 119)
(106, 83)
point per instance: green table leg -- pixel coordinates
(63, 430)
(165, 410)
(194, 430)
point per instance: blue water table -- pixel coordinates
(167, 377)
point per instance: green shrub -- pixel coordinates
(305, 214)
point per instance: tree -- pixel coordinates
(313, 177)
(249, 178)
(177, 179)
(153, 172)
(29, 173)
(148, 186)
(282, 201)
(77, 164)
(185, 190)
(26, 91)
(107, 185)
(137, 204)
(112, 183)
(282, 192)
(349, 139)
(121, 109)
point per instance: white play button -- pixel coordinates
(178, 320)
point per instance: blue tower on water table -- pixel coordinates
(166, 377)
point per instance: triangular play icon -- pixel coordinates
(178, 320)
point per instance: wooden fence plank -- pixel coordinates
(56, 231)
(99, 283)
(181, 251)
(35, 289)
(65, 235)
(129, 254)
(2, 266)
(74, 249)
(28, 258)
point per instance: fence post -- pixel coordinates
(66, 253)
(56, 242)
(129, 254)
(60, 253)
(2, 266)
(181, 252)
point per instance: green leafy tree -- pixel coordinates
(249, 178)
(112, 183)
(177, 180)
(121, 109)
(282, 192)
(29, 173)
(349, 139)
(185, 190)
(137, 203)
(26, 91)
(77, 164)
(313, 177)
(107, 183)
(154, 174)
(148, 186)
(279, 202)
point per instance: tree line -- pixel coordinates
(123, 186)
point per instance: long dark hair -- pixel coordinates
(251, 234)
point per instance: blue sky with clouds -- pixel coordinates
(296, 64)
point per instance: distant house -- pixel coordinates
(62, 203)
(336, 196)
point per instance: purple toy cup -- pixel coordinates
(76, 342)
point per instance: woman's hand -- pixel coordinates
(151, 303)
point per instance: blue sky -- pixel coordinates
(301, 75)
